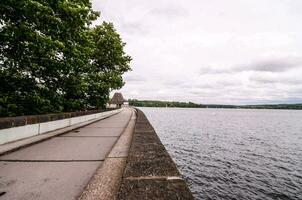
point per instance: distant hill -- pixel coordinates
(176, 104)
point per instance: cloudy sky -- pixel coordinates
(227, 52)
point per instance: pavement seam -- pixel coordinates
(52, 160)
(106, 127)
(107, 179)
(118, 137)
(90, 136)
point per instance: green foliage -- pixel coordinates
(274, 106)
(52, 60)
(148, 103)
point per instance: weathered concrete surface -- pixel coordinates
(150, 172)
(65, 148)
(9, 147)
(58, 168)
(121, 148)
(107, 124)
(44, 180)
(148, 157)
(95, 132)
(105, 183)
(154, 189)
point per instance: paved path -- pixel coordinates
(60, 167)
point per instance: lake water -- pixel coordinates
(234, 153)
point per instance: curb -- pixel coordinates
(104, 185)
(150, 172)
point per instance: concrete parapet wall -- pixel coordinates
(150, 172)
(16, 128)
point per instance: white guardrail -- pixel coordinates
(21, 132)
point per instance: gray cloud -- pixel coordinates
(268, 65)
(232, 52)
(291, 79)
(169, 11)
(274, 65)
(133, 27)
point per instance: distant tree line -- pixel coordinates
(150, 103)
(53, 60)
(274, 106)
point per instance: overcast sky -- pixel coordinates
(227, 52)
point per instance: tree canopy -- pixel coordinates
(53, 60)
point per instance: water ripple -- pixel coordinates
(234, 154)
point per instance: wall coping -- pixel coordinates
(150, 172)
(10, 122)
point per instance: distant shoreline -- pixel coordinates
(174, 104)
(224, 108)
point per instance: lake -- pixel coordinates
(234, 153)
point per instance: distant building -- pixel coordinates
(117, 100)
(126, 104)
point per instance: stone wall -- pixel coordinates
(16, 128)
(150, 172)
(9, 122)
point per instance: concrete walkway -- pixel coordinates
(60, 167)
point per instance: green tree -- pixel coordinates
(109, 62)
(52, 60)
